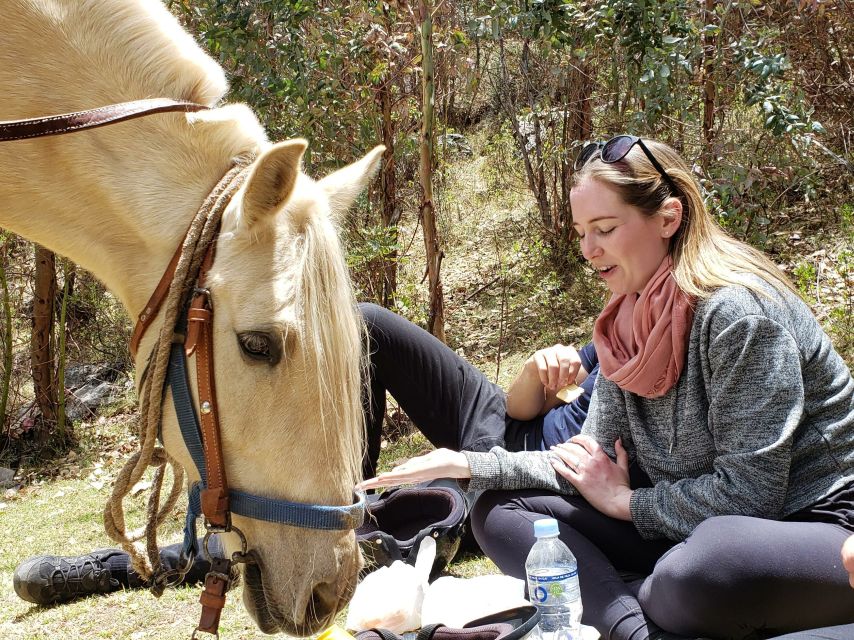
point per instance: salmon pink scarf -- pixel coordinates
(642, 339)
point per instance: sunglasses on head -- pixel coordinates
(615, 150)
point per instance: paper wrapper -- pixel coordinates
(569, 393)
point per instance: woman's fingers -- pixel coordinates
(587, 443)
(848, 557)
(542, 368)
(570, 363)
(570, 454)
(557, 366)
(391, 478)
(559, 465)
(622, 456)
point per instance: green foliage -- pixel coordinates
(369, 249)
(842, 316)
(805, 277)
(764, 78)
(307, 68)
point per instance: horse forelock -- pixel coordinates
(335, 340)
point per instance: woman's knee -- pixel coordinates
(710, 583)
(503, 529)
(483, 516)
(705, 583)
(371, 312)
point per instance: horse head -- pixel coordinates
(286, 333)
(288, 349)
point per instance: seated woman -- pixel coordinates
(718, 454)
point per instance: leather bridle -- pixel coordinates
(211, 496)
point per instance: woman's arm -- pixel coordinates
(494, 469)
(548, 370)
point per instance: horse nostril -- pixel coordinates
(324, 599)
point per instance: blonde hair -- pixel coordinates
(705, 257)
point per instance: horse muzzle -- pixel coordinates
(313, 606)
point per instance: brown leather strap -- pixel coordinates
(200, 340)
(213, 596)
(90, 119)
(149, 312)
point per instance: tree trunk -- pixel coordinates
(7, 345)
(391, 210)
(508, 104)
(709, 94)
(540, 182)
(41, 344)
(578, 127)
(436, 313)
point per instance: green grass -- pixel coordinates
(58, 512)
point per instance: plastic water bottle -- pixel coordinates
(553, 583)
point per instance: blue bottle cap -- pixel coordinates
(545, 527)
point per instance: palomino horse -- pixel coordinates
(118, 199)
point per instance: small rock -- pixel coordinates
(9, 494)
(7, 478)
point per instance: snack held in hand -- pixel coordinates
(569, 393)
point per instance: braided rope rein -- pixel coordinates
(202, 232)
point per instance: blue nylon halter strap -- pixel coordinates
(297, 514)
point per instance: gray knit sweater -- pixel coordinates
(761, 422)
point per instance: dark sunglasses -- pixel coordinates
(615, 150)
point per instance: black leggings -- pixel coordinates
(450, 401)
(734, 577)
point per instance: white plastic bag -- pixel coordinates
(456, 601)
(391, 597)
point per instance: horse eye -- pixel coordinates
(259, 346)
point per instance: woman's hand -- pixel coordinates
(603, 483)
(532, 393)
(441, 463)
(556, 366)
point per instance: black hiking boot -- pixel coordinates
(50, 579)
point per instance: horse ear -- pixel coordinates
(343, 186)
(272, 180)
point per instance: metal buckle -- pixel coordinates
(185, 562)
(204, 291)
(211, 530)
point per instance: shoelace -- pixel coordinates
(71, 579)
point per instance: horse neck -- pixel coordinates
(118, 200)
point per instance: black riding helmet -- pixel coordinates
(399, 519)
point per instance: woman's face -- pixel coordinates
(623, 245)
